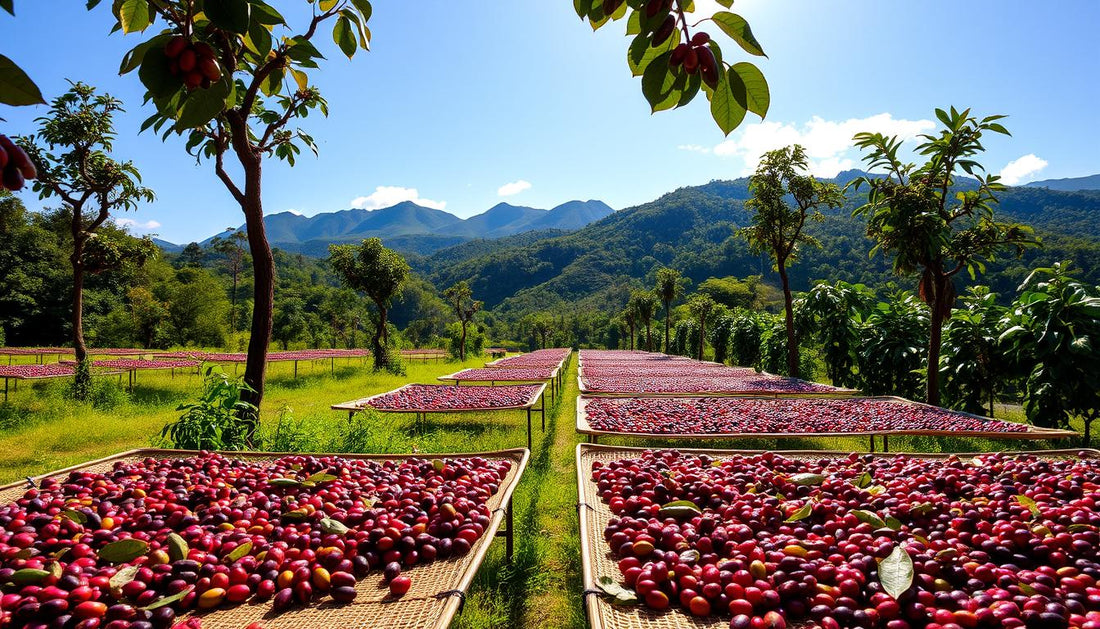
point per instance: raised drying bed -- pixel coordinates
(422, 399)
(438, 588)
(598, 562)
(757, 384)
(799, 417)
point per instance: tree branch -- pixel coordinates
(281, 122)
(219, 166)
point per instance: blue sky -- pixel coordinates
(461, 105)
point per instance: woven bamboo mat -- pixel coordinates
(438, 588)
(597, 560)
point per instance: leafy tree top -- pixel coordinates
(917, 214)
(669, 284)
(778, 227)
(370, 268)
(460, 297)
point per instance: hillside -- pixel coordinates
(414, 229)
(1069, 184)
(692, 229)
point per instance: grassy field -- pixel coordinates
(41, 429)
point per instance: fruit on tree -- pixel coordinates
(15, 166)
(196, 63)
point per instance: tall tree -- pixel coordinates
(629, 317)
(91, 185)
(778, 228)
(232, 78)
(232, 248)
(378, 272)
(931, 227)
(669, 287)
(701, 307)
(461, 300)
(644, 304)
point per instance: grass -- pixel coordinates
(41, 429)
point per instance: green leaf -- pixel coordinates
(29, 576)
(1080, 528)
(133, 15)
(263, 13)
(808, 478)
(1029, 503)
(156, 76)
(322, 476)
(619, 595)
(641, 54)
(75, 516)
(344, 36)
(295, 516)
(334, 527)
(123, 550)
(803, 512)
(177, 547)
(679, 509)
(893, 523)
(121, 578)
(239, 552)
(757, 96)
(923, 508)
(1026, 589)
(875, 490)
(8, 5)
(132, 59)
(284, 482)
(437, 465)
(869, 518)
(364, 7)
(738, 29)
(726, 111)
(657, 80)
(864, 480)
(16, 88)
(202, 106)
(895, 572)
(229, 15)
(168, 600)
(327, 5)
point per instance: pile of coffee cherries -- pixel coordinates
(441, 397)
(148, 540)
(15, 166)
(750, 382)
(48, 370)
(517, 374)
(725, 415)
(860, 541)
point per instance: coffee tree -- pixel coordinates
(701, 306)
(461, 300)
(644, 305)
(677, 60)
(778, 228)
(72, 150)
(669, 286)
(377, 272)
(931, 226)
(230, 77)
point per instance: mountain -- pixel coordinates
(1069, 184)
(414, 229)
(693, 229)
(167, 246)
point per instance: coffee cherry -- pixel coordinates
(708, 66)
(400, 585)
(208, 66)
(663, 32)
(187, 60)
(176, 46)
(700, 39)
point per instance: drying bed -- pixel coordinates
(310, 486)
(749, 384)
(813, 538)
(489, 374)
(729, 417)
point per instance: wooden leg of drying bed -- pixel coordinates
(872, 443)
(528, 430)
(507, 533)
(885, 443)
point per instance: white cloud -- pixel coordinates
(1021, 167)
(130, 223)
(513, 188)
(385, 196)
(828, 143)
(694, 148)
(294, 212)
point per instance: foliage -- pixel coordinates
(832, 313)
(891, 337)
(644, 305)
(686, 338)
(1053, 329)
(733, 292)
(778, 228)
(461, 299)
(379, 273)
(670, 285)
(920, 217)
(701, 307)
(16, 88)
(972, 367)
(216, 421)
(676, 64)
(745, 338)
(474, 341)
(721, 333)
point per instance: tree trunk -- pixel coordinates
(702, 335)
(648, 338)
(667, 304)
(233, 306)
(788, 307)
(82, 381)
(932, 395)
(379, 349)
(632, 337)
(462, 348)
(263, 298)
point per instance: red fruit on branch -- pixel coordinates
(708, 66)
(700, 39)
(691, 61)
(663, 32)
(176, 46)
(187, 60)
(208, 66)
(678, 54)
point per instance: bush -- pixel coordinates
(220, 420)
(106, 394)
(291, 435)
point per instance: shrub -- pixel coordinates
(220, 420)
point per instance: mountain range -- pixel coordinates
(412, 228)
(1069, 184)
